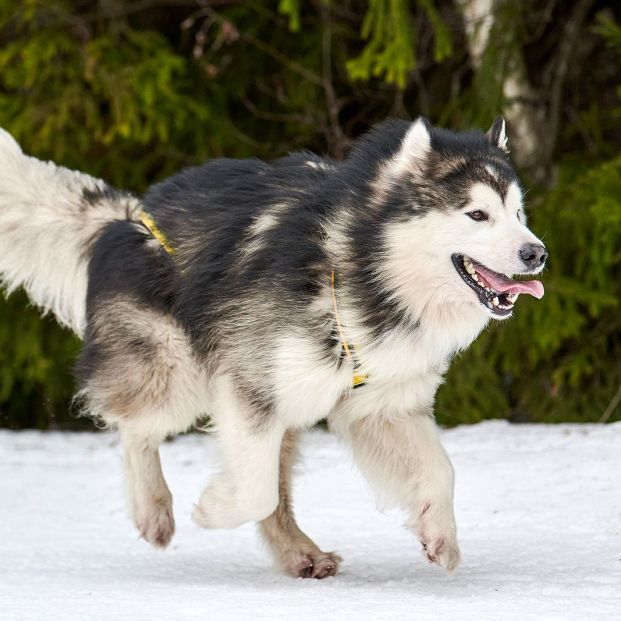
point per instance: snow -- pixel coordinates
(538, 509)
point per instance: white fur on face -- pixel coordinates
(419, 254)
(514, 202)
(496, 243)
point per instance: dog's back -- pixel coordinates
(239, 230)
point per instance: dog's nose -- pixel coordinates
(533, 255)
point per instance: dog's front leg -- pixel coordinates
(293, 550)
(404, 460)
(249, 441)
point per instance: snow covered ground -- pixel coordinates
(538, 508)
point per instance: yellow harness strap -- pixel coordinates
(348, 350)
(149, 222)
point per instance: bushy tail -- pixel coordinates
(49, 219)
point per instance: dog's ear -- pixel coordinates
(415, 146)
(497, 134)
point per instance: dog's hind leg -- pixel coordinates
(249, 439)
(293, 550)
(403, 458)
(149, 497)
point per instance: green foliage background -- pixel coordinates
(133, 91)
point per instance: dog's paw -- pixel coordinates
(217, 506)
(222, 505)
(316, 565)
(156, 523)
(442, 552)
(435, 525)
(208, 515)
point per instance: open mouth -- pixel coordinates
(495, 291)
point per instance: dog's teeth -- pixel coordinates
(495, 301)
(470, 268)
(475, 277)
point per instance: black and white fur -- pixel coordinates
(239, 321)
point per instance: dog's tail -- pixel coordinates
(50, 217)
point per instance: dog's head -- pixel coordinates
(455, 228)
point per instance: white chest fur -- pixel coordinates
(404, 368)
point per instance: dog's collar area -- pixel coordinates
(500, 303)
(348, 348)
(148, 221)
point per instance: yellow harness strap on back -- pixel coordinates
(149, 222)
(348, 350)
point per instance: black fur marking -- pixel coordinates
(206, 213)
(123, 267)
(92, 197)
(106, 195)
(127, 261)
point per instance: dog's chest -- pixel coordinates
(427, 349)
(404, 370)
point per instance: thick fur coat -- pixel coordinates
(274, 295)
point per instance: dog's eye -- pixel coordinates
(478, 215)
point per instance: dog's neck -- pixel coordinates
(408, 344)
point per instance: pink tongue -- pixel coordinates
(503, 284)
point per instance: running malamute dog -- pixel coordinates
(271, 296)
